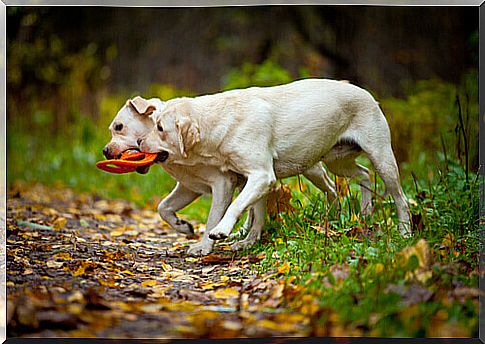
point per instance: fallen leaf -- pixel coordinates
(284, 268)
(63, 256)
(279, 199)
(59, 223)
(149, 283)
(341, 186)
(54, 264)
(226, 293)
(215, 259)
(83, 223)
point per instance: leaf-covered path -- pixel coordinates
(80, 266)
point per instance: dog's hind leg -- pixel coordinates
(342, 163)
(375, 139)
(385, 164)
(176, 200)
(319, 177)
(258, 212)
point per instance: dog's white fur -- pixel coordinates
(192, 181)
(276, 132)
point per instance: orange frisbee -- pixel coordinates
(130, 160)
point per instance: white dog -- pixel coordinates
(134, 121)
(276, 132)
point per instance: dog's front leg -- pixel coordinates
(256, 226)
(176, 200)
(222, 191)
(257, 186)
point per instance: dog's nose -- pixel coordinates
(106, 152)
(139, 141)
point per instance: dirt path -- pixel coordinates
(79, 266)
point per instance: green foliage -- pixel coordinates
(269, 73)
(57, 87)
(427, 119)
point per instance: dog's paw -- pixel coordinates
(239, 235)
(199, 249)
(217, 234)
(242, 245)
(184, 227)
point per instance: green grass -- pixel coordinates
(368, 300)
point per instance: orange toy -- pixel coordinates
(130, 160)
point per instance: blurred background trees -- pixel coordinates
(71, 68)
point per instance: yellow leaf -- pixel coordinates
(75, 309)
(424, 276)
(127, 272)
(226, 293)
(309, 308)
(210, 286)
(379, 267)
(276, 326)
(79, 271)
(420, 250)
(354, 217)
(63, 256)
(448, 240)
(191, 259)
(116, 233)
(76, 296)
(166, 267)
(149, 283)
(224, 278)
(59, 223)
(342, 186)
(107, 283)
(284, 268)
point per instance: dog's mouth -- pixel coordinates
(143, 169)
(162, 156)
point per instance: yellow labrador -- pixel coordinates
(264, 133)
(134, 121)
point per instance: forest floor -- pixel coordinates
(80, 266)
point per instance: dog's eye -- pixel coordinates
(118, 127)
(160, 128)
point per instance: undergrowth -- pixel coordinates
(366, 275)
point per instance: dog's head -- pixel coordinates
(175, 131)
(130, 125)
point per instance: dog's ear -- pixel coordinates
(142, 106)
(188, 134)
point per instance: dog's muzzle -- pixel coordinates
(162, 156)
(107, 153)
